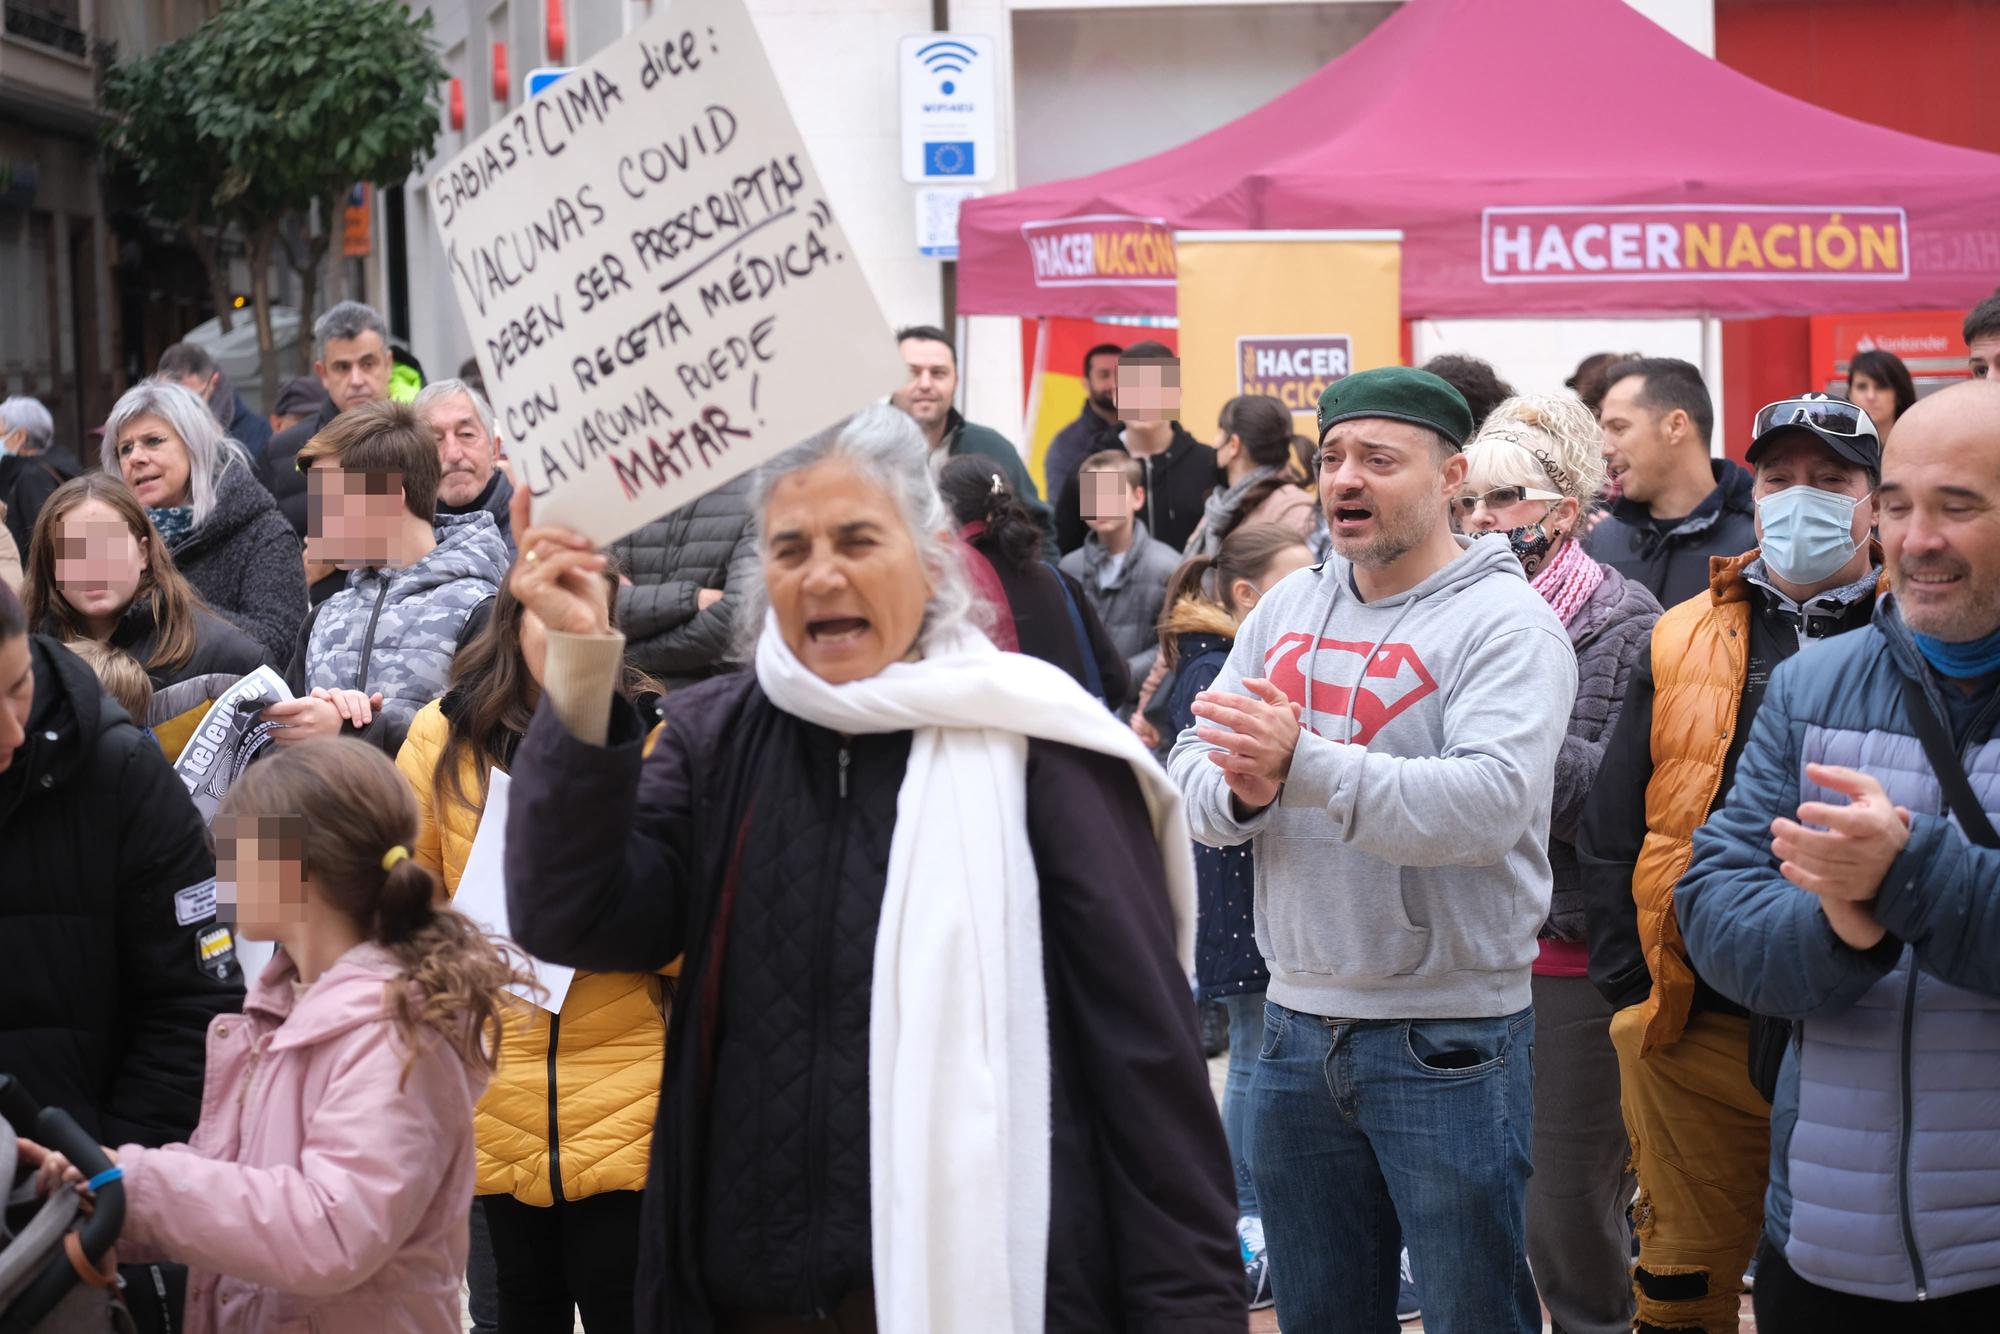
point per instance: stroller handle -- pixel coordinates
(54, 1128)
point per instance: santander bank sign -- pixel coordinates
(1700, 243)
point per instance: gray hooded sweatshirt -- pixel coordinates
(1403, 872)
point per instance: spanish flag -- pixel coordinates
(1053, 349)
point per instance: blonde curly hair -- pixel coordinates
(1542, 440)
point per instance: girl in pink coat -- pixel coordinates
(327, 1185)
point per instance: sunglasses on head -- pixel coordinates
(1499, 498)
(1831, 415)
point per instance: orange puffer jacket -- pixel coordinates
(1701, 655)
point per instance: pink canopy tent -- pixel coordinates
(1542, 158)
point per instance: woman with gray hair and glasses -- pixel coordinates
(934, 1065)
(221, 527)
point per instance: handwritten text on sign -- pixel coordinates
(658, 289)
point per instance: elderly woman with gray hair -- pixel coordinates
(1533, 472)
(934, 1065)
(223, 530)
(31, 466)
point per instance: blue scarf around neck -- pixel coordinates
(1962, 662)
(174, 522)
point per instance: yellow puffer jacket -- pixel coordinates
(603, 1052)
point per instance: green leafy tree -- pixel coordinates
(316, 95)
(296, 100)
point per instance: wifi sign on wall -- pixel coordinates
(948, 108)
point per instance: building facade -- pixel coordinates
(79, 296)
(1082, 85)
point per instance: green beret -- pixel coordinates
(1399, 394)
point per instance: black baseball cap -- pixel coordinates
(1841, 426)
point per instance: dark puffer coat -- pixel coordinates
(1177, 484)
(220, 649)
(247, 426)
(1227, 961)
(1610, 633)
(1045, 606)
(1673, 564)
(247, 563)
(707, 543)
(281, 465)
(26, 483)
(107, 905)
(757, 844)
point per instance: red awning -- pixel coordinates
(1542, 157)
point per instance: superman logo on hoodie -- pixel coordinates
(1395, 679)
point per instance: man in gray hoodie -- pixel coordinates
(1385, 733)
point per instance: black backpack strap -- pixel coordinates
(1950, 770)
(1093, 680)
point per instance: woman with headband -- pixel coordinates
(1535, 471)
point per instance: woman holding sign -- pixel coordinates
(563, 1129)
(935, 1065)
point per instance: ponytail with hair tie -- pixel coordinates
(1247, 553)
(456, 975)
(408, 898)
(975, 491)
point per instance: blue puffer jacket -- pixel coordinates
(1885, 1134)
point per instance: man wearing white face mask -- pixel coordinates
(1697, 1070)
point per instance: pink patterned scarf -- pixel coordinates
(1567, 582)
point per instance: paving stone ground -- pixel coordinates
(1266, 1322)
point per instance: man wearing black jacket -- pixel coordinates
(1099, 419)
(191, 366)
(115, 959)
(1677, 506)
(1696, 1069)
(352, 359)
(1179, 470)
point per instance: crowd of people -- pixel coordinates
(1583, 844)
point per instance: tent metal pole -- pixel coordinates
(948, 269)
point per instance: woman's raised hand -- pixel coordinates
(558, 576)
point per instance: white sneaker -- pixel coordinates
(1408, 1309)
(1256, 1264)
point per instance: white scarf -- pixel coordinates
(958, 1036)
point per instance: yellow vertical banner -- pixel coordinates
(1285, 314)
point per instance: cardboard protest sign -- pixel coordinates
(482, 894)
(659, 292)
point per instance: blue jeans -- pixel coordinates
(1368, 1136)
(1246, 1039)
